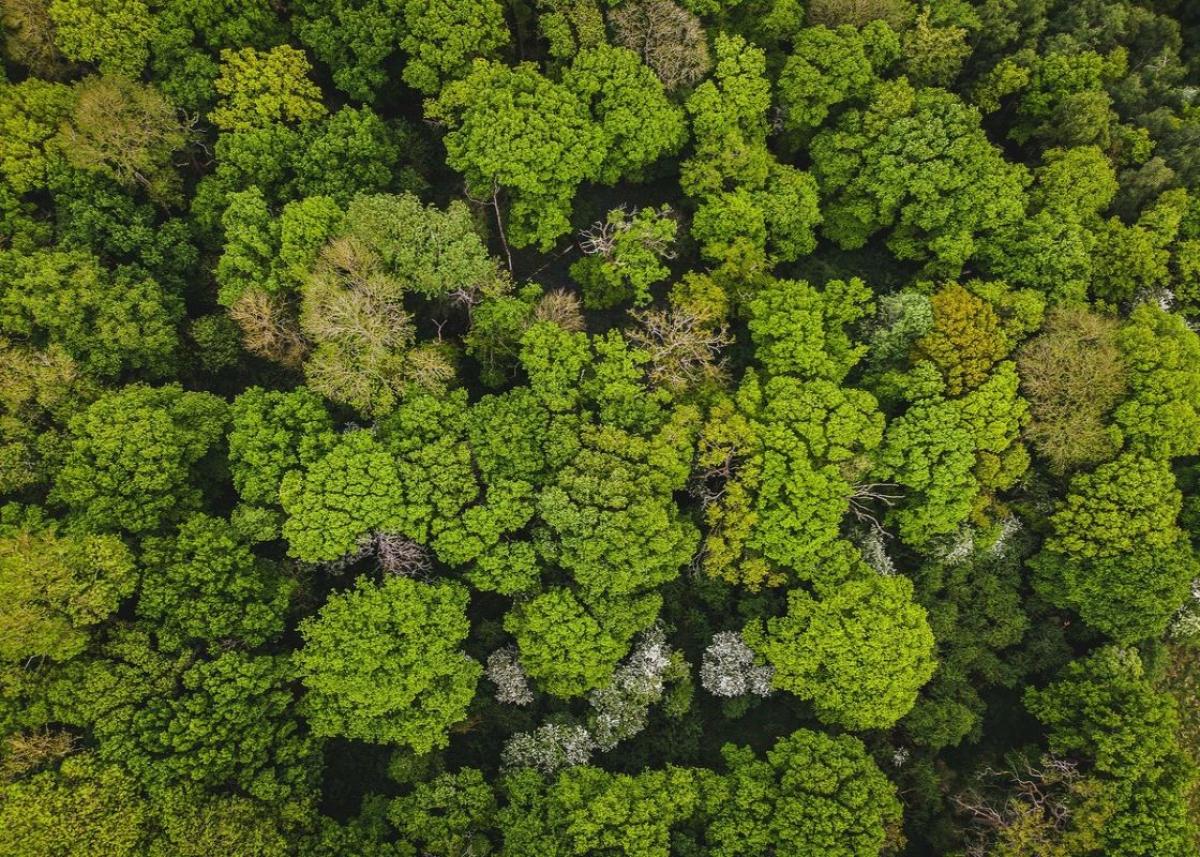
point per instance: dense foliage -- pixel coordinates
(631, 428)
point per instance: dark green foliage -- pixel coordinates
(661, 428)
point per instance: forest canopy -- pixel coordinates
(630, 428)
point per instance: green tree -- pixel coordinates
(114, 35)
(56, 588)
(134, 455)
(563, 646)
(382, 663)
(258, 88)
(966, 339)
(271, 433)
(204, 584)
(108, 321)
(749, 203)
(353, 38)
(930, 452)
(432, 252)
(86, 808)
(1103, 711)
(637, 124)
(780, 462)
(799, 331)
(450, 814)
(183, 721)
(1161, 417)
(39, 392)
(1115, 553)
(624, 256)
(813, 794)
(830, 66)
(512, 129)
(934, 206)
(441, 38)
(859, 653)
(343, 496)
(934, 50)
(590, 811)
(30, 114)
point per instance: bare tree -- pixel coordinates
(684, 351)
(562, 308)
(269, 328)
(670, 39)
(1025, 803)
(399, 555)
(864, 497)
(23, 752)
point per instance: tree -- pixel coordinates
(432, 252)
(1072, 375)
(30, 113)
(1103, 711)
(114, 35)
(204, 584)
(95, 213)
(1116, 554)
(29, 39)
(450, 814)
(780, 471)
(669, 39)
(382, 663)
(271, 433)
(832, 13)
(39, 392)
(563, 647)
(729, 125)
(258, 88)
(936, 206)
(343, 496)
(108, 321)
(352, 151)
(830, 66)
(353, 310)
(587, 810)
(623, 256)
(441, 38)
(1128, 260)
(749, 203)
(813, 794)
(85, 808)
(966, 339)
(212, 723)
(859, 653)
(637, 124)
(979, 620)
(126, 130)
(1161, 417)
(799, 331)
(56, 588)
(353, 38)
(514, 130)
(133, 457)
(930, 453)
(933, 54)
